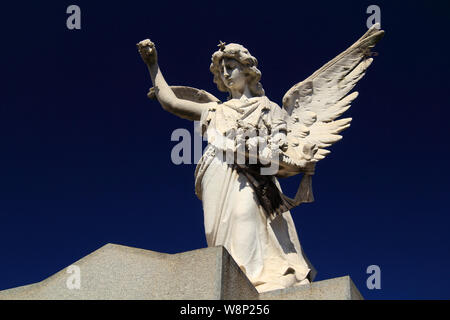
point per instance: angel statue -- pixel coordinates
(244, 207)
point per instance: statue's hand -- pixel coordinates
(147, 51)
(281, 140)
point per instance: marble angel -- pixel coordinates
(244, 207)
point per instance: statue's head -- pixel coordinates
(234, 68)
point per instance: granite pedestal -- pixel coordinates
(120, 272)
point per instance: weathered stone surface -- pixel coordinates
(120, 272)
(341, 288)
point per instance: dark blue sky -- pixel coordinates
(85, 156)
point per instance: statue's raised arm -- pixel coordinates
(185, 102)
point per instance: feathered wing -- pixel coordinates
(314, 104)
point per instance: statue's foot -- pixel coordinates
(282, 282)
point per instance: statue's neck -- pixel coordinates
(241, 95)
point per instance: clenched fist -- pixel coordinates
(147, 51)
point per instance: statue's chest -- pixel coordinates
(229, 116)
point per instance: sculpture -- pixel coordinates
(244, 208)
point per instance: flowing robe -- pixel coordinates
(267, 249)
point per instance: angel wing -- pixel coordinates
(314, 104)
(188, 93)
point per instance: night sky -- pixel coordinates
(85, 155)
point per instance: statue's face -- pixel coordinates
(232, 74)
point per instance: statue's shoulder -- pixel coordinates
(269, 105)
(264, 99)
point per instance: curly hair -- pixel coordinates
(243, 56)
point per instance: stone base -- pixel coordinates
(122, 273)
(341, 288)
